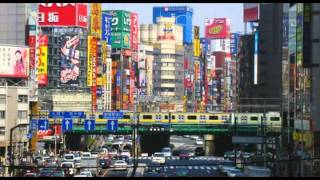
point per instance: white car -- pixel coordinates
(86, 155)
(199, 142)
(77, 156)
(120, 165)
(69, 157)
(125, 153)
(121, 138)
(86, 173)
(110, 138)
(159, 158)
(167, 152)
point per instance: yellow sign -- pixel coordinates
(43, 60)
(196, 47)
(96, 19)
(89, 62)
(216, 29)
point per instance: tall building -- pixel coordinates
(263, 58)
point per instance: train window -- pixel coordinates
(173, 117)
(166, 117)
(243, 118)
(274, 118)
(213, 117)
(254, 118)
(192, 117)
(147, 116)
(126, 117)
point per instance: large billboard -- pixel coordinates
(63, 14)
(217, 28)
(183, 16)
(250, 12)
(42, 63)
(106, 28)
(120, 40)
(121, 20)
(14, 61)
(166, 31)
(196, 41)
(95, 19)
(134, 31)
(69, 60)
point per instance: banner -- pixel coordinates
(217, 28)
(89, 62)
(106, 27)
(250, 12)
(63, 14)
(134, 31)
(69, 60)
(14, 61)
(96, 19)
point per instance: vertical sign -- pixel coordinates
(134, 31)
(94, 73)
(196, 41)
(307, 19)
(255, 78)
(106, 27)
(96, 19)
(250, 12)
(42, 64)
(89, 61)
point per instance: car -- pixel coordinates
(104, 163)
(77, 163)
(86, 155)
(199, 142)
(113, 153)
(30, 174)
(159, 158)
(121, 138)
(58, 173)
(120, 165)
(110, 138)
(94, 154)
(87, 173)
(77, 156)
(125, 153)
(186, 154)
(68, 157)
(69, 166)
(199, 151)
(45, 172)
(194, 137)
(167, 152)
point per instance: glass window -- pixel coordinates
(254, 118)
(274, 118)
(2, 130)
(192, 117)
(22, 114)
(2, 114)
(2, 99)
(213, 117)
(147, 116)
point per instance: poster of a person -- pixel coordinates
(19, 60)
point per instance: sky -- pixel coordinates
(201, 11)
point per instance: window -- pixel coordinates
(22, 114)
(166, 117)
(192, 117)
(2, 130)
(23, 98)
(254, 118)
(147, 116)
(2, 99)
(274, 118)
(2, 114)
(126, 117)
(213, 117)
(173, 117)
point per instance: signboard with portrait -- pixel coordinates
(14, 61)
(69, 60)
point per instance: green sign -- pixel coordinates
(120, 40)
(121, 20)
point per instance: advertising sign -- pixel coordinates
(217, 28)
(166, 31)
(234, 39)
(95, 19)
(299, 32)
(196, 41)
(307, 19)
(142, 78)
(120, 40)
(69, 60)
(14, 61)
(91, 65)
(256, 40)
(220, 45)
(134, 31)
(250, 12)
(42, 54)
(106, 27)
(63, 14)
(121, 21)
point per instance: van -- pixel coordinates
(68, 157)
(86, 155)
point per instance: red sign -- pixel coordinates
(126, 52)
(32, 51)
(250, 12)
(134, 31)
(216, 28)
(43, 40)
(63, 14)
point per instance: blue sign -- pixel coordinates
(234, 39)
(112, 125)
(60, 114)
(106, 27)
(118, 80)
(33, 125)
(43, 124)
(112, 115)
(29, 135)
(89, 125)
(67, 124)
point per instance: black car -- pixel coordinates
(199, 151)
(104, 163)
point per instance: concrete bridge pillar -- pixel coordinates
(209, 145)
(151, 143)
(73, 142)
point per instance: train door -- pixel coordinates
(243, 119)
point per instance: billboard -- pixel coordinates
(92, 61)
(196, 41)
(167, 31)
(255, 69)
(142, 78)
(250, 12)
(183, 16)
(69, 60)
(14, 61)
(106, 27)
(95, 19)
(63, 14)
(121, 20)
(220, 45)
(234, 39)
(120, 40)
(217, 28)
(134, 31)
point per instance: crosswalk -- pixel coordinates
(207, 158)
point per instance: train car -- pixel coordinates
(247, 118)
(274, 121)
